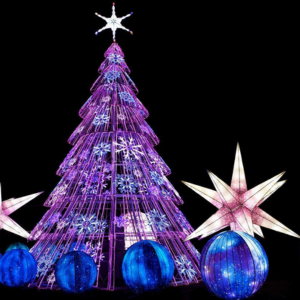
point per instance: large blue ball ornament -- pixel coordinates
(17, 246)
(147, 267)
(233, 265)
(17, 268)
(75, 272)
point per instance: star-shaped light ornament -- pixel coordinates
(9, 206)
(113, 23)
(238, 207)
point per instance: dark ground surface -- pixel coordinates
(270, 290)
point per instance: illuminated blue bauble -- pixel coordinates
(233, 265)
(17, 268)
(147, 267)
(17, 246)
(75, 272)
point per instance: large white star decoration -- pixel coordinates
(113, 22)
(9, 206)
(238, 207)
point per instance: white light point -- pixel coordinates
(113, 22)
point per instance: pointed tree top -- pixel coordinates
(114, 48)
(113, 22)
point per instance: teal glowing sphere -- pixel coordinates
(147, 267)
(233, 265)
(17, 268)
(75, 272)
(17, 246)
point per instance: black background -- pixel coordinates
(210, 76)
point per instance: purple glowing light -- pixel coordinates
(114, 191)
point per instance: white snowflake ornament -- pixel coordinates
(113, 22)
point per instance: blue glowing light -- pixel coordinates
(17, 268)
(17, 246)
(147, 267)
(233, 265)
(75, 272)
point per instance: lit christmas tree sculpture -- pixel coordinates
(114, 191)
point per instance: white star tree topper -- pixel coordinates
(238, 207)
(113, 22)
(9, 206)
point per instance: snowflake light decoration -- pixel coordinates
(58, 192)
(165, 193)
(153, 190)
(101, 149)
(113, 22)
(126, 184)
(238, 207)
(115, 58)
(101, 119)
(121, 117)
(102, 226)
(72, 175)
(93, 250)
(127, 97)
(156, 160)
(51, 278)
(71, 216)
(109, 86)
(87, 224)
(121, 221)
(84, 154)
(72, 162)
(61, 224)
(185, 267)
(111, 76)
(106, 99)
(157, 220)
(129, 148)
(90, 190)
(44, 263)
(142, 188)
(137, 173)
(156, 177)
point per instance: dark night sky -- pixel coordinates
(210, 77)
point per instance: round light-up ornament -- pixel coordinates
(17, 246)
(75, 272)
(233, 265)
(147, 267)
(17, 268)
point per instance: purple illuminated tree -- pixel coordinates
(114, 191)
